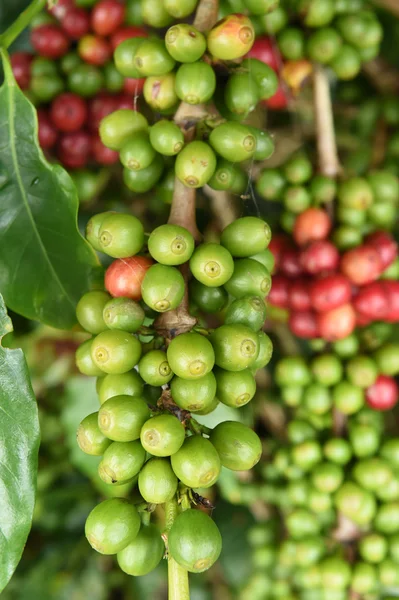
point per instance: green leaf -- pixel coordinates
(45, 264)
(19, 435)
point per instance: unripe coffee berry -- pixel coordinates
(112, 525)
(196, 464)
(191, 355)
(171, 244)
(162, 288)
(162, 435)
(231, 38)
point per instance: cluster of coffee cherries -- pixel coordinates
(148, 385)
(70, 76)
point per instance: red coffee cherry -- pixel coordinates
(265, 50)
(133, 86)
(100, 107)
(361, 265)
(362, 320)
(126, 33)
(311, 225)
(21, 64)
(280, 99)
(125, 276)
(74, 149)
(107, 16)
(299, 295)
(330, 292)
(60, 8)
(383, 394)
(387, 248)
(391, 288)
(278, 295)
(94, 50)
(304, 324)
(337, 323)
(320, 257)
(47, 133)
(101, 154)
(290, 262)
(372, 301)
(68, 112)
(49, 41)
(278, 243)
(76, 23)
(124, 101)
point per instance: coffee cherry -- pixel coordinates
(89, 437)
(364, 439)
(143, 554)
(144, 180)
(160, 94)
(241, 94)
(185, 43)
(121, 418)
(47, 133)
(306, 455)
(167, 138)
(195, 82)
(335, 573)
(313, 224)
(235, 389)
(212, 265)
(337, 450)
(330, 292)
(292, 370)
(125, 276)
(68, 112)
(154, 13)
(115, 351)
(85, 80)
(121, 235)
(162, 435)
(236, 347)
(207, 299)
(355, 503)
(383, 394)
(231, 38)
(89, 311)
(265, 352)
(125, 384)
(271, 184)
(84, 361)
(361, 265)
(195, 164)
(304, 324)
(249, 311)
(107, 16)
(190, 356)
(117, 128)
(197, 463)
(233, 141)
(249, 278)
(385, 186)
(337, 323)
(195, 395)
(137, 153)
(373, 547)
(154, 368)
(162, 288)
(76, 23)
(94, 50)
(126, 33)
(171, 244)
(301, 523)
(152, 58)
(21, 68)
(49, 41)
(385, 245)
(74, 149)
(112, 525)
(246, 236)
(121, 462)
(387, 359)
(317, 399)
(124, 314)
(347, 62)
(124, 56)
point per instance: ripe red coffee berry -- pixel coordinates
(290, 262)
(279, 101)
(47, 133)
(74, 149)
(278, 295)
(101, 154)
(49, 41)
(383, 394)
(68, 112)
(94, 50)
(76, 23)
(60, 8)
(21, 64)
(100, 107)
(107, 16)
(387, 248)
(125, 276)
(304, 324)
(278, 243)
(126, 33)
(337, 323)
(299, 295)
(372, 301)
(330, 292)
(133, 86)
(320, 257)
(392, 290)
(265, 50)
(361, 265)
(311, 225)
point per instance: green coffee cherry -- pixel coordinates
(236, 347)
(373, 547)
(233, 141)
(166, 137)
(143, 554)
(291, 43)
(121, 235)
(372, 473)
(355, 503)
(144, 180)
(89, 311)
(348, 398)
(323, 45)
(179, 9)
(390, 451)
(157, 481)
(231, 38)
(84, 361)
(327, 477)
(154, 368)
(248, 310)
(191, 356)
(249, 278)
(323, 189)
(121, 418)
(235, 388)
(162, 288)
(194, 395)
(152, 58)
(212, 265)
(335, 573)
(124, 57)
(125, 384)
(292, 370)
(123, 313)
(115, 351)
(112, 525)
(306, 455)
(85, 80)
(387, 518)
(296, 199)
(327, 369)
(365, 439)
(271, 184)
(194, 541)
(338, 450)
(154, 13)
(196, 464)
(362, 371)
(121, 462)
(317, 399)
(162, 435)
(137, 153)
(301, 523)
(298, 169)
(264, 144)
(265, 352)
(387, 359)
(208, 299)
(195, 82)
(159, 93)
(228, 177)
(346, 347)
(118, 127)
(246, 236)
(185, 43)
(361, 30)
(384, 185)
(114, 80)
(241, 94)
(299, 431)
(347, 62)
(171, 244)
(93, 229)
(238, 446)
(89, 437)
(195, 164)
(266, 79)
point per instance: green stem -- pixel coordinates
(178, 588)
(21, 23)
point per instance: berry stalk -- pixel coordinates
(326, 144)
(178, 587)
(21, 23)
